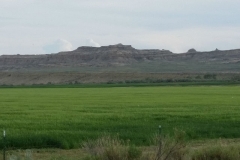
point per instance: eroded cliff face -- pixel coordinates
(117, 63)
(115, 56)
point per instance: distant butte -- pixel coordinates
(116, 57)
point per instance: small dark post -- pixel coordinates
(160, 129)
(4, 145)
(159, 153)
(160, 139)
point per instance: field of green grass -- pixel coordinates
(65, 117)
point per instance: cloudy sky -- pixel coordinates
(49, 26)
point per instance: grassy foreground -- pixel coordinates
(65, 117)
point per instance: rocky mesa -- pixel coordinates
(124, 58)
(113, 55)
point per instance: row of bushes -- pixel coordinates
(149, 80)
(198, 78)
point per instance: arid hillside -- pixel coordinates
(115, 55)
(117, 63)
(124, 58)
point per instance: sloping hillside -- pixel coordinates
(124, 58)
(119, 64)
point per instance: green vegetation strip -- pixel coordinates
(128, 84)
(65, 117)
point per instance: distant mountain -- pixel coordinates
(124, 58)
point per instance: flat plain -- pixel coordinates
(66, 117)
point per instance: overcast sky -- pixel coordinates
(49, 26)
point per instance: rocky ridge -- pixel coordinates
(83, 56)
(115, 56)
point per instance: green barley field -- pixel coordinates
(65, 117)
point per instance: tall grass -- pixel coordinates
(164, 148)
(111, 148)
(217, 152)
